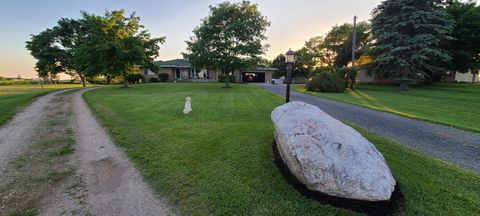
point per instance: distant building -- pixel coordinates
(367, 74)
(182, 70)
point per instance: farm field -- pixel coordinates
(15, 97)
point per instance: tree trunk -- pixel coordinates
(82, 80)
(125, 82)
(227, 79)
(404, 86)
(473, 77)
(109, 80)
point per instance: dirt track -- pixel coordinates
(102, 182)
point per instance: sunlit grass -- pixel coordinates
(456, 105)
(218, 159)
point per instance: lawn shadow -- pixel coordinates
(366, 207)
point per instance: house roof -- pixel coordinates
(185, 63)
(175, 63)
(267, 69)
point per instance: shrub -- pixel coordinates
(133, 78)
(221, 78)
(153, 80)
(163, 77)
(326, 81)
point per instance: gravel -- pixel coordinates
(105, 181)
(114, 186)
(449, 144)
(19, 133)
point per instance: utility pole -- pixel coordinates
(354, 41)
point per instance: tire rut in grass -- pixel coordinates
(44, 166)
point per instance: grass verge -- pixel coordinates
(450, 104)
(218, 159)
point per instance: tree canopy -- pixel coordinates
(465, 48)
(335, 48)
(230, 37)
(408, 35)
(111, 45)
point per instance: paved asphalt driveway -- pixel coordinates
(453, 145)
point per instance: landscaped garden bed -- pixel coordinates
(218, 159)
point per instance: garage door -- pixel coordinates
(253, 77)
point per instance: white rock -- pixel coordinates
(328, 156)
(188, 106)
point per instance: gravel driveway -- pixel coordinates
(449, 144)
(103, 180)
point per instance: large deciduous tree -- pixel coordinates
(335, 48)
(109, 45)
(54, 49)
(118, 45)
(465, 48)
(230, 38)
(408, 34)
(303, 65)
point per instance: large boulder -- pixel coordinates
(328, 156)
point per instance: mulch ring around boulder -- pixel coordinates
(366, 207)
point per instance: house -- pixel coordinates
(368, 75)
(182, 70)
(465, 77)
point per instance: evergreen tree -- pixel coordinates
(408, 34)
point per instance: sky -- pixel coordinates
(292, 23)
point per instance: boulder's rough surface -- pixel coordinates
(328, 156)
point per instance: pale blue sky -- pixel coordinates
(292, 22)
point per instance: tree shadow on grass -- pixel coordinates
(366, 207)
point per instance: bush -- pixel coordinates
(163, 77)
(153, 80)
(133, 78)
(326, 82)
(221, 78)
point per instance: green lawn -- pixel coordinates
(455, 104)
(15, 97)
(218, 159)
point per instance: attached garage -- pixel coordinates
(259, 75)
(253, 77)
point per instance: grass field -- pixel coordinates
(454, 105)
(218, 159)
(15, 97)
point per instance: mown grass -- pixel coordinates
(218, 159)
(15, 97)
(451, 104)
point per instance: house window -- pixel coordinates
(177, 73)
(369, 72)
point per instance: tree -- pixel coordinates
(109, 45)
(465, 49)
(229, 38)
(335, 48)
(407, 36)
(55, 49)
(118, 45)
(304, 63)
